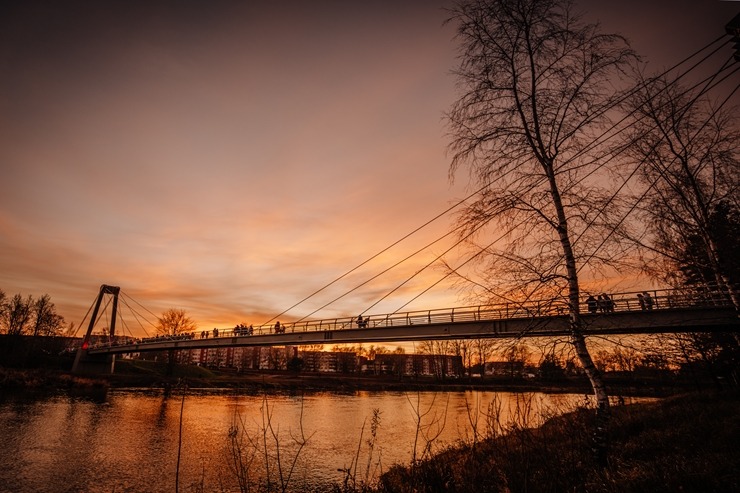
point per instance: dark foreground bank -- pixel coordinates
(686, 443)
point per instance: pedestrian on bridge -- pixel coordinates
(592, 303)
(648, 300)
(606, 305)
(641, 301)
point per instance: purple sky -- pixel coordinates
(229, 158)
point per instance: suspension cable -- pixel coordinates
(84, 318)
(487, 185)
(709, 85)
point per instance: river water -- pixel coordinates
(128, 440)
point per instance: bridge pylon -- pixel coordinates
(88, 363)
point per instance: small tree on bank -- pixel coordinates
(29, 316)
(46, 321)
(536, 87)
(172, 323)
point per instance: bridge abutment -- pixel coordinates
(93, 364)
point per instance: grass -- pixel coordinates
(684, 443)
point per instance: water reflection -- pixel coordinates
(129, 441)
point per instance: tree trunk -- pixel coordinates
(723, 283)
(576, 328)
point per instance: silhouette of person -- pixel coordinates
(608, 303)
(277, 327)
(648, 300)
(360, 322)
(592, 303)
(641, 301)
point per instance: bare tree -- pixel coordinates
(175, 321)
(688, 157)
(464, 349)
(484, 348)
(46, 321)
(320, 347)
(20, 315)
(17, 315)
(700, 354)
(3, 305)
(619, 358)
(439, 351)
(517, 356)
(536, 87)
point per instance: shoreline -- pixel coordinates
(57, 380)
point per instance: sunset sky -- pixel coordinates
(230, 158)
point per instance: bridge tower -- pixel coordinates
(87, 363)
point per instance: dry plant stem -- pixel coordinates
(179, 446)
(265, 412)
(266, 444)
(242, 458)
(357, 455)
(302, 441)
(423, 430)
(350, 482)
(473, 419)
(374, 425)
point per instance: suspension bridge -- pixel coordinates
(667, 311)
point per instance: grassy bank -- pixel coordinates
(145, 374)
(47, 380)
(684, 443)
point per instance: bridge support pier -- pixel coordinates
(93, 364)
(97, 364)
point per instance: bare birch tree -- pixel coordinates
(688, 157)
(536, 84)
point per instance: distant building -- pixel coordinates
(276, 358)
(436, 365)
(512, 369)
(329, 361)
(239, 358)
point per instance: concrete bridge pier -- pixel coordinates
(93, 364)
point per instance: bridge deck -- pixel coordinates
(671, 312)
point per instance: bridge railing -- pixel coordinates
(618, 302)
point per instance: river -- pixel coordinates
(128, 440)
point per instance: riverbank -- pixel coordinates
(146, 374)
(682, 443)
